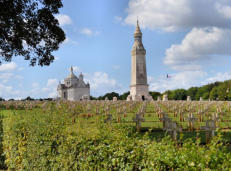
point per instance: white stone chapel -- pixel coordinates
(74, 88)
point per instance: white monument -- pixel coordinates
(188, 98)
(165, 97)
(114, 99)
(74, 88)
(139, 87)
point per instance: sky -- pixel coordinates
(190, 40)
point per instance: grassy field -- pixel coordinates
(74, 136)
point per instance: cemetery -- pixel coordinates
(86, 134)
(156, 124)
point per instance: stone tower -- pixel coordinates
(139, 86)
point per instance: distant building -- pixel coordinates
(74, 88)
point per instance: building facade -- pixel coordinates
(139, 86)
(74, 88)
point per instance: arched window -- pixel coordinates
(65, 95)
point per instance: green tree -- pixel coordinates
(204, 91)
(11, 100)
(154, 94)
(28, 98)
(169, 93)
(124, 96)
(179, 94)
(214, 93)
(192, 92)
(92, 98)
(205, 95)
(111, 95)
(222, 91)
(28, 28)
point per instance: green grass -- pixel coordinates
(58, 137)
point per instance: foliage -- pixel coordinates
(179, 94)
(154, 94)
(28, 28)
(11, 100)
(92, 98)
(48, 139)
(192, 92)
(124, 96)
(2, 157)
(213, 91)
(109, 96)
(28, 98)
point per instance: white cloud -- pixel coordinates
(218, 77)
(52, 82)
(51, 88)
(118, 19)
(184, 80)
(171, 15)
(76, 69)
(68, 40)
(101, 83)
(8, 67)
(8, 91)
(35, 91)
(19, 77)
(6, 76)
(57, 58)
(63, 19)
(225, 10)
(21, 68)
(35, 85)
(201, 44)
(89, 32)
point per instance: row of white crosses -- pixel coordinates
(138, 119)
(170, 126)
(210, 127)
(191, 118)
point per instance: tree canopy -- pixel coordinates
(29, 28)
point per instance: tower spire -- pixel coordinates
(137, 22)
(71, 69)
(138, 32)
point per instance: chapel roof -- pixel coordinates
(72, 75)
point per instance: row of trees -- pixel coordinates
(213, 91)
(27, 98)
(111, 95)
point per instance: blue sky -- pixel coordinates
(188, 39)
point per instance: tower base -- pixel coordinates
(139, 93)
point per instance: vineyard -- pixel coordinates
(115, 135)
